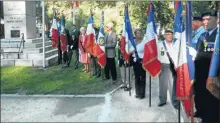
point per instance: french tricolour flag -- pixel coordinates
(100, 46)
(213, 84)
(128, 44)
(182, 60)
(90, 37)
(150, 62)
(54, 31)
(63, 37)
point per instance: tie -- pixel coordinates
(207, 35)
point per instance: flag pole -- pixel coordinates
(73, 11)
(102, 24)
(128, 66)
(43, 32)
(149, 90)
(90, 72)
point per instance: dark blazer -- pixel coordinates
(76, 33)
(69, 41)
(203, 58)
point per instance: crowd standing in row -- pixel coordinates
(204, 34)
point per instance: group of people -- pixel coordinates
(204, 34)
(201, 48)
(75, 48)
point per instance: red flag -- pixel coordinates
(182, 60)
(99, 47)
(90, 38)
(54, 31)
(127, 43)
(63, 42)
(63, 37)
(150, 62)
(122, 48)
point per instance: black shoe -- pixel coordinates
(98, 75)
(76, 67)
(162, 104)
(106, 78)
(137, 96)
(176, 106)
(114, 81)
(141, 97)
(196, 114)
(127, 89)
(65, 66)
(123, 86)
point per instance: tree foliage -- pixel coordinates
(114, 11)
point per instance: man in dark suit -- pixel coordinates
(207, 105)
(73, 47)
(110, 43)
(66, 53)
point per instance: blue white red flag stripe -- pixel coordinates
(90, 37)
(182, 60)
(128, 44)
(54, 31)
(150, 59)
(63, 37)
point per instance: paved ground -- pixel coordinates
(119, 107)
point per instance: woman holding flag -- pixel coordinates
(140, 74)
(84, 56)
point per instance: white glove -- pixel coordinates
(135, 59)
(89, 55)
(71, 46)
(192, 52)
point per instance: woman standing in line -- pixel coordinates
(84, 56)
(140, 74)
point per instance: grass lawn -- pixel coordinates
(53, 80)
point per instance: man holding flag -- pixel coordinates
(100, 48)
(182, 56)
(167, 77)
(64, 37)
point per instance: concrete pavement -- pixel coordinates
(118, 107)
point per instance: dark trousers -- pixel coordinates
(65, 57)
(206, 104)
(140, 79)
(76, 54)
(96, 69)
(59, 54)
(110, 66)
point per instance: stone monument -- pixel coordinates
(19, 17)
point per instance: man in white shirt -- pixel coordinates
(167, 76)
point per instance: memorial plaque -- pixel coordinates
(19, 17)
(15, 33)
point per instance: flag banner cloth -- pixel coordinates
(213, 81)
(100, 44)
(127, 43)
(54, 31)
(182, 60)
(150, 60)
(63, 37)
(90, 37)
